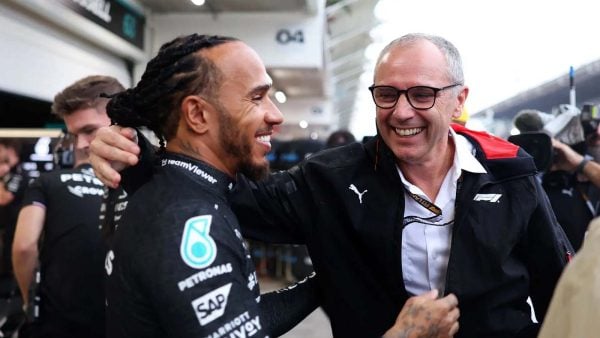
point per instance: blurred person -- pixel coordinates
(572, 178)
(12, 186)
(573, 311)
(210, 120)
(9, 155)
(424, 205)
(339, 138)
(58, 226)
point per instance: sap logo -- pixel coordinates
(212, 305)
(198, 250)
(492, 198)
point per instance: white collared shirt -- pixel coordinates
(426, 239)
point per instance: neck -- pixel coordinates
(199, 151)
(429, 175)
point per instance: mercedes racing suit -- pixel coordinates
(179, 267)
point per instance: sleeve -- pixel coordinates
(276, 210)
(283, 309)
(197, 277)
(548, 253)
(135, 176)
(35, 192)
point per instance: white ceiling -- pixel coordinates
(348, 25)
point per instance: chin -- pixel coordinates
(255, 171)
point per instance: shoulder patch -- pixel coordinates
(494, 147)
(198, 250)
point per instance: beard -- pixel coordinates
(232, 141)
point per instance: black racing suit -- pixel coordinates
(180, 268)
(71, 254)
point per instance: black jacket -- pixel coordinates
(502, 250)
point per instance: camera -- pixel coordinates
(567, 125)
(538, 144)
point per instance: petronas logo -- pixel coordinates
(198, 250)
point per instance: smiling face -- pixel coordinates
(246, 114)
(417, 136)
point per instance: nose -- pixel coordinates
(403, 110)
(273, 115)
(83, 141)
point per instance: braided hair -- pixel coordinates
(174, 73)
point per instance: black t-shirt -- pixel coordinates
(574, 203)
(71, 252)
(178, 265)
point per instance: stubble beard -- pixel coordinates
(233, 143)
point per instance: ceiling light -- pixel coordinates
(280, 96)
(303, 124)
(198, 2)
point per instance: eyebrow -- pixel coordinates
(260, 89)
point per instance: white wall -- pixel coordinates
(258, 30)
(38, 61)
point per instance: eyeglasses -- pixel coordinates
(419, 97)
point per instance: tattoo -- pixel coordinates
(407, 331)
(425, 325)
(188, 149)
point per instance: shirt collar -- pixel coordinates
(464, 155)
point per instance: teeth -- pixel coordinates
(264, 139)
(408, 132)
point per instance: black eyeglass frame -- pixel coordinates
(405, 91)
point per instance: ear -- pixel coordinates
(194, 114)
(461, 98)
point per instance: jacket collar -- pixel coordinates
(199, 171)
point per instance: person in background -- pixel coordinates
(569, 178)
(339, 138)
(58, 227)
(14, 180)
(573, 311)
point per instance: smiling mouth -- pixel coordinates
(264, 139)
(408, 131)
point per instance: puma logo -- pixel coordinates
(360, 194)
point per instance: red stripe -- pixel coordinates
(494, 147)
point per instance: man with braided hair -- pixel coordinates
(178, 266)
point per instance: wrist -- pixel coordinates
(582, 164)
